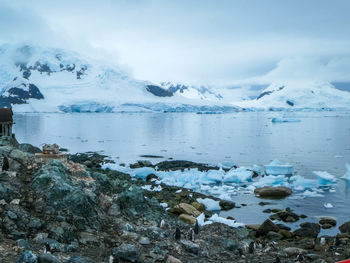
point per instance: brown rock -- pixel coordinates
(184, 208)
(187, 219)
(172, 259)
(200, 207)
(277, 192)
(266, 227)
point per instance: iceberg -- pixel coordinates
(324, 178)
(301, 183)
(346, 176)
(210, 204)
(144, 172)
(239, 175)
(215, 176)
(272, 180)
(276, 168)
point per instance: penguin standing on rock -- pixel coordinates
(251, 247)
(162, 223)
(277, 260)
(113, 259)
(190, 235)
(196, 228)
(5, 164)
(300, 258)
(47, 249)
(177, 234)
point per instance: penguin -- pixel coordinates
(113, 259)
(277, 260)
(47, 249)
(5, 164)
(162, 224)
(300, 258)
(177, 234)
(196, 228)
(190, 235)
(251, 247)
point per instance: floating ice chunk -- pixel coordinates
(225, 196)
(328, 205)
(301, 183)
(164, 205)
(239, 175)
(272, 180)
(229, 222)
(338, 156)
(277, 120)
(215, 176)
(256, 169)
(143, 172)
(226, 165)
(347, 174)
(309, 193)
(276, 168)
(210, 204)
(324, 178)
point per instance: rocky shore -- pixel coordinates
(82, 213)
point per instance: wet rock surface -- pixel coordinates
(82, 214)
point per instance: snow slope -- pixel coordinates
(64, 81)
(299, 96)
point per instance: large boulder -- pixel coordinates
(132, 200)
(184, 208)
(187, 218)
(266, 227)
(274, 192)
(308, 230)
(48, 258)
(126, 251)
(27, 257)
(345, 228)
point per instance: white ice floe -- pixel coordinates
(324, 178)
(215, 176)
(217, 219)
(277, 120)
(309, 193)
(277, 168)
(239, 175)
(328, 205)
(300, 183)
(347, 174)
(143, 172)
(210, 204)
(272, 180)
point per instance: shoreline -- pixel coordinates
(82, 210)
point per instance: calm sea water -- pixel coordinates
(321, 141)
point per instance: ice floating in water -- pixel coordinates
(210, 204)
(324, 178)
(215, 218)
(276, 168)
(272, 180)
(226, 165)
(300, 183)
(328, 205)
(215, 176)
(309, 193)
(277, 120)
(347, 174)
(239, 175)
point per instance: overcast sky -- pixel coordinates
(202, 41)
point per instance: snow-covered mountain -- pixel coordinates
(40, 79)
(299, 96)
(37, 79)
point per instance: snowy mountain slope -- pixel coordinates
(298, 96)
(37, 79)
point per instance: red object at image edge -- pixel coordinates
(344, 261)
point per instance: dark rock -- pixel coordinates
(79, 259)
(127, 252)
(190, 246)
(274, 235)
(276, 192)
(281, 226)
(181, 165)
(23, 244)
(266, 227)
(308, 230)
(226, 205)
(158, 91)
(26, 147)
(27, 257)
(48, 258)
(327, 220)
(132, 200)
(345, 228)
(150, 177)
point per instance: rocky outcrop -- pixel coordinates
(273, 192)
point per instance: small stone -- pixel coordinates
(327, 220)
(190, 246)
(144, 241)
(11, 215)
(267, 211)
(127, 252)
(172, 259)
(274, 236)
(326, 226)
(48, 258)
(22, 243)
(27, 257)
(293, 251)
(226, 205)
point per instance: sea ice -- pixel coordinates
(276, 168)
(239, 175)
(215, 176)
(300, 183)
(328, 205)
(272, 180)
(143, 172)
(347, 174)
(215, 218)
(324, 178)
(210, 204)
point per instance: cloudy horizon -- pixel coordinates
(194, 41)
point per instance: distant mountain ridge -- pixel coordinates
(42, 79)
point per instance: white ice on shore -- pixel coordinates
(346, 176)
(154, 189)
(217, 219)
(239, 175)
(324, 178)
(210, 204)
(277, 168)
